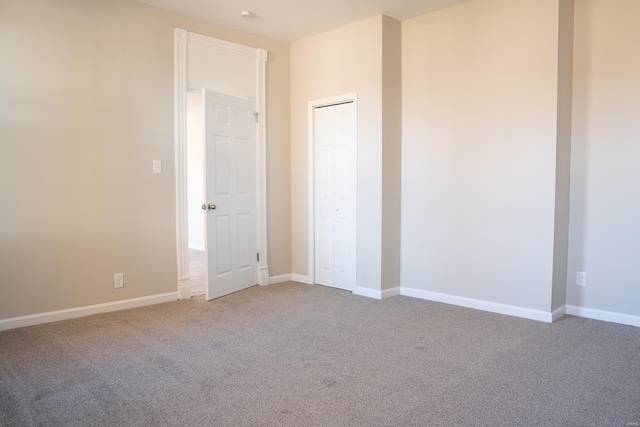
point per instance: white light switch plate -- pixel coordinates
(157, 166)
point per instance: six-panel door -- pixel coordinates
(230, 185)
(335, 198)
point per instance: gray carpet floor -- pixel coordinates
(300, 355)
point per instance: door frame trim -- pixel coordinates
(312, 105)
(182, 39)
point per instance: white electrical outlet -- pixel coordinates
(118, 280)
(581, 278)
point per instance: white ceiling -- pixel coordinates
(291, 20)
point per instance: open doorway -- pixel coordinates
(221, 193)
(195, 190)
(206, 63)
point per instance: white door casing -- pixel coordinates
(205, 62)
(335, 142)
(230, 194)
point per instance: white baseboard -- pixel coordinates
(302, 279)
(375, 294)
(366, 292)
(388, 293)
(264, 275)
(493, 307)
(607, 316)
(184, 287)
(558, 313)
(184, 292)
(72, 313)
(196, 247)
(279, 279)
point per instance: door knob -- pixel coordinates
(204, 207)
(210, 207)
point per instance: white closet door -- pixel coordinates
(335, 198)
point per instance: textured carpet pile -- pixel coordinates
(299, 355)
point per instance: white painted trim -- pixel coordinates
(196, 247)
(312, 105)
(606, 316)
(225, 46)
(182, 86)
(366, 292)
(279, 279)
(180, 136)
(300, 278)
(184, 291)
(558, 313)
(375, 294)
(72, 313)
(388, 293)
(263, 267)
(510, 310)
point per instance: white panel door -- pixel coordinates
(335, 196)
(230, 193)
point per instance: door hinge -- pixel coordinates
(256, 114)
(258, 256)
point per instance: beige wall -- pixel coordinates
(479, 115)
(86, 104)
(605, 207)
(338, 62)
(391, 151)
(563, 153)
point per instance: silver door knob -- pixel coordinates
(204, 207)
(211, 206)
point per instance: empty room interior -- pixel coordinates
(417, 212)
